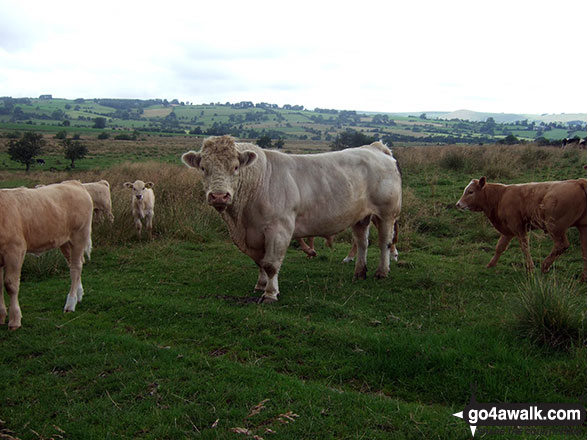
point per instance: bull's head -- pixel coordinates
(472, 197)
(220, 162)
(139, 187)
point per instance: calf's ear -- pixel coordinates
(191, 159)
(149, 185)
(128, 184)
(247, 157)
(482, 182)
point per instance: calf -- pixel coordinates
(100, 194)
(38, 220)
(143, 205)
(513, 210)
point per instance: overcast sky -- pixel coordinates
(514, 56)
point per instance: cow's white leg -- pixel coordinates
(149, 224)
(361, 238)
(75, 271)
(3, 311)
(385, 229)
(262, 280)
(138, 226)
(12, 266)
(276, 242)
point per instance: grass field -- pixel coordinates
(168, 344)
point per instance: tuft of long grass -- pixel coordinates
(551, 312)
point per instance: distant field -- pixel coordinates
(167, 344)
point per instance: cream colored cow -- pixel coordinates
(38, 220)
(100, 193)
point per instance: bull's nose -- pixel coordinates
(219, 198)
(139, 196)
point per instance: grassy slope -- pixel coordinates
(165, 342)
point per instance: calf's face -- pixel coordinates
(472, 197)
(221, 172)
(138, 188)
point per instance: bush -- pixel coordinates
(551, 312)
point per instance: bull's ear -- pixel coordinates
(149, 185)
(247, 157)
(482, 182)
(128, 184)
(192, 159)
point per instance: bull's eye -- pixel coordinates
(470, 191)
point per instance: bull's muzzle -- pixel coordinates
(219, 200)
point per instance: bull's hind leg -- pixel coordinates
(261, 280)
(361, 239)
(561, 244)
(12, 267)
(386, 231)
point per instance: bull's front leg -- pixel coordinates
(277, 240)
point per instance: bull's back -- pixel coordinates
(44, 218)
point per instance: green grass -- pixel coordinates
(168, 344)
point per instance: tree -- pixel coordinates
(25, 149)
(74, 150)
(351, 138)
(100, 122)
(264, 142)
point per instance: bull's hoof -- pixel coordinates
(13, 327)
(362, 275)
(266, 299)
(311, 253)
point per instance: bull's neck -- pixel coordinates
(245, 193)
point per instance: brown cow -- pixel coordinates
(38, 220)
(513, 210)
(268, 197)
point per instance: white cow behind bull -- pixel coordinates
(267, 198)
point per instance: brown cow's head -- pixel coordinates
(472, 197)
(139, 187)
(220, 162)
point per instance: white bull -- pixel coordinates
(267, 198)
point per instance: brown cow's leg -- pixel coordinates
(583, 236)
(525, 246)
(309, 250)
(561, 244)
(12, 266)
(351, 255)
(502, 245)
(3, 311)
(361, 238)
